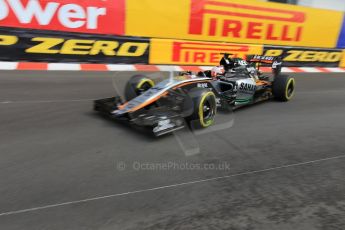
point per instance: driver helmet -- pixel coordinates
(217, 70)
(227, 56)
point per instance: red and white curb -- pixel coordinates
(114, 67)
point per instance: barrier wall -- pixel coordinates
(234, 21)
(49, 46)
(184, 52)
(342, 62)
(83, 16)
(309, 57)
(183, 32)
(341, 39)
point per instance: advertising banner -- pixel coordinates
(309, 57)
(48, 46)
(341, 39)
(182, 52)
(234, 21)
(83, 16)
(342, 62)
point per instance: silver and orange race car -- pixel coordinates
(190, 99)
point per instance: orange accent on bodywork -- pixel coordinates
(142, 105)
(162, 95)
(189, 83)
(122, 106)
(260, 82)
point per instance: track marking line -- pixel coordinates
(166, 186)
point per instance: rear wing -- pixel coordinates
(275, 62)
(261, 59)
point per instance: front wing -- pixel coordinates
(161, 119)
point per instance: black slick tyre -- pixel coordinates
(204, 108)
(283, 88)
(137, 85)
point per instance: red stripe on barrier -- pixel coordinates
(93, 67)
(323, 70)
(296, 69)
(266, 69)
(191, 68)
(146, 68)
(32, 66)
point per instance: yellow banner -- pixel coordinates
(342, 62)
(183, 52)
(233, 21)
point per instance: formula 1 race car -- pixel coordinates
(193, 99)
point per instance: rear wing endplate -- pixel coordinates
(275, 62)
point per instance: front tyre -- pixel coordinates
(204, 108)
(137, 85)
(283, 88)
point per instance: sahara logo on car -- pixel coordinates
(199, 52)
(64, 15)
(245, 87)
(227, 19)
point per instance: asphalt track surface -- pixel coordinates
(62, 166)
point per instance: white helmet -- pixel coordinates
(217, 70)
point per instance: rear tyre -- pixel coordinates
(137, 85)
(204, 108)
(283, 88)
